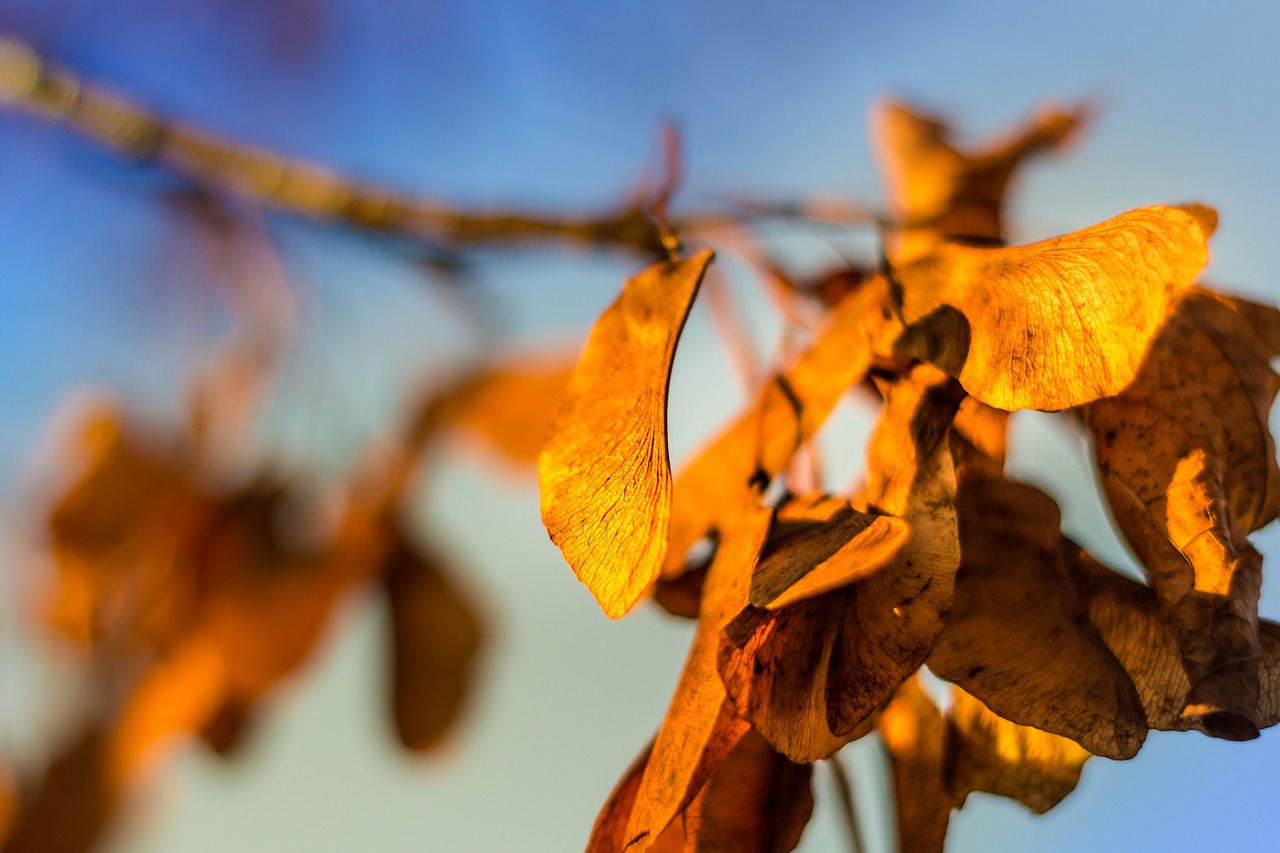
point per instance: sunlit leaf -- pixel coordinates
(1058, 323)
(604, 473)
(996, 756)
(1018, 636)
(701, 727)
(809, 676)
(1188, 465)
(917, 739)
(935, 190)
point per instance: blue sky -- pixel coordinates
(556, 105)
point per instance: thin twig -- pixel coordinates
(222, 166)
(848, 809)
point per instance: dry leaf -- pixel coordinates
(1057, 323)
(996, 756)
(604, 473)
(939, 760)
(436, 635)
(809, 676)
(756, 802)
(785, 415)
(939, 192)
(917, 739)
(1130, 619)
(1018, 637)
(1188, 466)
(819, 543)
(71, 809)
(701, 727)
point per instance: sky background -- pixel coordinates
(556, 105)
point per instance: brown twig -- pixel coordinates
(848, 809)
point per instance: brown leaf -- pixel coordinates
(1058, 323)
(938, 760)
(937, 191)
(436, 635)
(917, 739)
(1129, 617)
(996, 756)
(809, 676)
(756, 802)
(604, 472)
(1018, 637)
(785, 415)
(1188, 466)
(701, 727)
(819, 543)
(71, 809)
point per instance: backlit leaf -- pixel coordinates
(604, 473)
(809, 676)
(1018, 636)
(1188, 465)
(1057, 323)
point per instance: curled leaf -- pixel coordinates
(604, 473)
(1057, 323)
(809, 676)
(1018, 636)
(1188, 465)
(938, 191)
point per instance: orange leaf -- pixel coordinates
(809, 676)
(1018, 636)
(604, 473)
(937, 191)
(1188, 465)
(700, 727)
(1057, 323)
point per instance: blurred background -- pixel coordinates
(556, 107)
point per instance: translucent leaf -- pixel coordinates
(604, 473)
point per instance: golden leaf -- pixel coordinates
(1129, 616)
(700, 728)
(604, 473)
(819, 543)
(436, 634)
(1188, 466)
(937, 191)
(938, 760)
(786, 414)
(1018, 636)
(996, 756)
(1057, 323)
(809, 676)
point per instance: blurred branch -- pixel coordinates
(221, 166)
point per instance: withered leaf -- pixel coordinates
(701, 727)
(809, 676)
(939, 760)
(938, 191)
(819, 543)
(604, 473)
(436, 635)
(1057, 323)
(917, 739)
(787, 412)
(996, 756)
(72, 807)
(1129, 617)
(1018, 636)
(1188, 465)
(756, 802)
